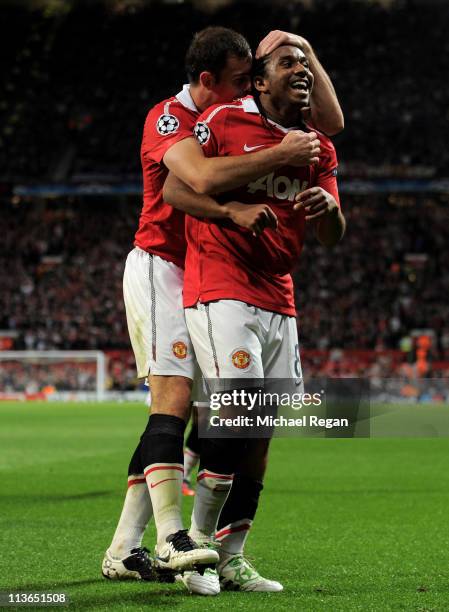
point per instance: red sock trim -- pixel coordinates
(163, 467)
(228, 530)
(135, 481)
(204, 474)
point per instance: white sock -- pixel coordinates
(190, 462)
(232, 538)
(134, 518)
(211, 493)
(164, 482)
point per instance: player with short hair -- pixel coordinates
(153, 286)
(238, 292)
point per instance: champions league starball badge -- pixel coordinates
(167, 124)
(202, 133)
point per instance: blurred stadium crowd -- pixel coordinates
(384, 285)
(77, 86)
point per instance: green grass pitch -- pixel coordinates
(343, 524)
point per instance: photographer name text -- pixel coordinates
(279, 421)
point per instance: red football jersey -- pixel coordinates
(225, 261)
(161, 227)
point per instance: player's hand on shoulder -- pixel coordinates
(254, 217)
(276, 38)
(301, 148)
(316, 202)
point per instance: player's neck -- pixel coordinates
(287, 115)
(201, 97)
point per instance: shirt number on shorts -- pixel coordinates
(297, 361)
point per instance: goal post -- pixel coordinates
(62, 373)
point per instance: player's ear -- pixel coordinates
(260, 84)
(207, 79)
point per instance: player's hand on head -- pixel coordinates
(276, 38)
(254, 217)
(316, 202)
(301, 148)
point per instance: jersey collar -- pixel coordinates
(186, 99)
(250, 106)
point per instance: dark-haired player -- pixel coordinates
(238, 292)
(218, 63)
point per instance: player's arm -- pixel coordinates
(326, 114)
(255, 217)
(206, 175)
(322, 209)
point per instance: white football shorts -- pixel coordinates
(152, 289)
(234, 340)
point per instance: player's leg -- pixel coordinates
(172, 366)
(137, 509)
(206, 583)
(235, 523)
(227, 346)
(153, 299)
(280, 360)
(238, 513)
(125, 557)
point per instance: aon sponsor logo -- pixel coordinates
(280, 187)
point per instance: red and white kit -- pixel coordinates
(238, 292)
(154, 271)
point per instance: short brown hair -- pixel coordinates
(210, 49)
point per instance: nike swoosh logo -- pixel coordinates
(247, 148)
(160, 481)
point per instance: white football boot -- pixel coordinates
(237, 574)
(202, 583)
(181, 553)
(137, 566)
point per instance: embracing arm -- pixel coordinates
(255, 217)
(326, 113)
(207, 175)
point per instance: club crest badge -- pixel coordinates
(179, 349)
(241, 359)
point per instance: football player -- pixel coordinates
(218, 64)
(238, 292)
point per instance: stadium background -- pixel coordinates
(78, 80)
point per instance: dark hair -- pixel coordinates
(210, 49)
(259, 67)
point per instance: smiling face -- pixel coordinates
(285, 77)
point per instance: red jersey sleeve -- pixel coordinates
(327, 168)
(210, 130)
(165, 125)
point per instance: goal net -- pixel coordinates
(52, 375)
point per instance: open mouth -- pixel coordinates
(300, 85)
